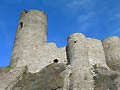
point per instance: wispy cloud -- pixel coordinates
(83, 11)
(84, 21)
(92, 15)
(83, 18)
(77, 5)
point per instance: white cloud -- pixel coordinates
(85, 26)
(83, 11)
(84, 21)
(79, 4)
(83, 18)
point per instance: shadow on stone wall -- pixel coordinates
(49, 78)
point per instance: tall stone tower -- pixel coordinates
(32, 31)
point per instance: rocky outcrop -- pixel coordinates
(49, 78)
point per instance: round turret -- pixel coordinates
(112, 52)
(31, 32)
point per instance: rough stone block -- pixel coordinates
(112, 52)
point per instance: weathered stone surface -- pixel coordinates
(79, 66)
(31, 48)
(112, 52)
(85, 53)
(9, 78)
(43, 55)
(49, 78)
(66, 75)
(104, 79)
(96, 53)
(81, 77)
(32, 30)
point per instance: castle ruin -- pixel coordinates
(84, 64)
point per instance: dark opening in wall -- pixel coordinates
(75, 41)
(21, 24)
(68, 55)
(56, 60)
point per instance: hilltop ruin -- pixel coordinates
(84, 64)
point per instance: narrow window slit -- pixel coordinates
(21, 24)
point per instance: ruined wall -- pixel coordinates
(84, 53)
(31, 47)
(84, 64)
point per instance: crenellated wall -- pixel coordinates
(84, 64)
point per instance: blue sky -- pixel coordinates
(95, 18)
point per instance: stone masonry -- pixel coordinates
(84, 64)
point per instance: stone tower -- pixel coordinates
(31, 47)
(84, 64)
(32, 31)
